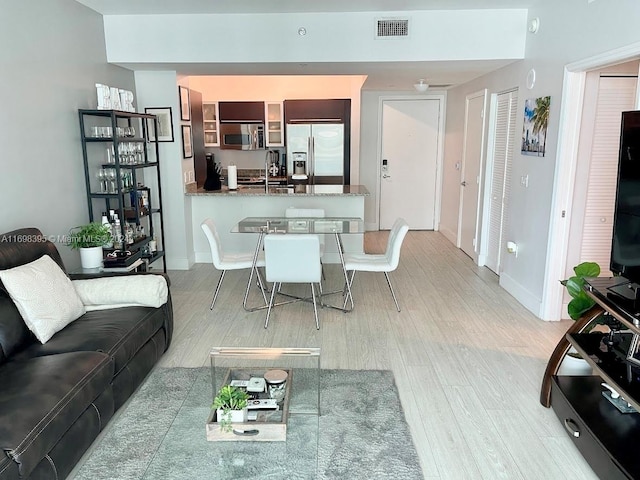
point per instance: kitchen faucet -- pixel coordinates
(266, 173)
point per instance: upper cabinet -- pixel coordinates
(241, 112)
(211, 122)
(309, 111)
(274, 124)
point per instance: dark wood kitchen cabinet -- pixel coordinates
(330, 110)
(241, 112)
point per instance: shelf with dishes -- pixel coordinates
(211, 123)
(274, 116)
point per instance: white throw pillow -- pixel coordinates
(44, 295)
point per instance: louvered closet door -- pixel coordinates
(507, 104)
(615, 95)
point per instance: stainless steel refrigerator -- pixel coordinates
(323, 144)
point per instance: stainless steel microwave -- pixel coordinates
(242, 136)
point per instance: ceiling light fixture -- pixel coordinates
(302, 31)
(421, 86)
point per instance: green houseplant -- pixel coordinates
(89, 240)
(581, 302)
(231, 406)
(573, 363)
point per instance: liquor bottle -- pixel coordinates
(153, 245)
(117, 233)
(105, 223)
(129, 234)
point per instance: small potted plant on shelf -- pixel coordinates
(231, 406)
(90, 239)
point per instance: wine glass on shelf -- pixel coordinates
(111, 176)
(110, 157)
(102, 178)
(139, 152)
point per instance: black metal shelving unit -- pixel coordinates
(124, 197)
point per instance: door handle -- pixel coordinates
(463, 183)
(386, 176)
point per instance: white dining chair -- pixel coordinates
(295, 212)
(230, 261)
(292, 258)
(386, 262)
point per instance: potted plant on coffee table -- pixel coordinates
(89, 240)
(231, 406)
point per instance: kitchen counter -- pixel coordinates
(298, 190)
(227, 208)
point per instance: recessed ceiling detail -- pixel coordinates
(396, 27)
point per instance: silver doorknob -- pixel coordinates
(463, 183)
(386, 176)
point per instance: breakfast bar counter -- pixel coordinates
(226, 208)
(297, 190)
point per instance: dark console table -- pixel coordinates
(607, 438)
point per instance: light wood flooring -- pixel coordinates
(467, 357)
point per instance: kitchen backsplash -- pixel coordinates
(253, 159)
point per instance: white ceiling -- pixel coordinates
(381, 76)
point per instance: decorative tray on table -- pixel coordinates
(270, 423)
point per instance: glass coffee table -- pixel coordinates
(283, 423)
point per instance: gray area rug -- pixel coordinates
(161, 434)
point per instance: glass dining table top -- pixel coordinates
(344, 225)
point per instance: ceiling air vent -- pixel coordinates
(393, 28)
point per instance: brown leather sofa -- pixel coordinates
(57, 397)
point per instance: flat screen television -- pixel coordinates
(625, 247)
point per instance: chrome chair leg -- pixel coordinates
(315, 308)
(347, 290)
(260, 284)
(273, 293)
(215, 294)
(386, 275)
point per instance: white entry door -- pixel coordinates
(409, 162)
(470, 181)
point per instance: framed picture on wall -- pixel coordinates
(165, 124)
(185, 111)
(187, 150)
(534, 128)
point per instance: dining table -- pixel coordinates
(335, 226)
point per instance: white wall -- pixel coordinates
(48, 72)
(274, 87)
(569, 31)
(331, 37)
(160, 89)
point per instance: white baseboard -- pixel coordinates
(178, 264)
(522, 295)
(371, 227)
(449, 235)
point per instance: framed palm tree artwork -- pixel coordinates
(534, 129)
